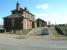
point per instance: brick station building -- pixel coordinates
(41, 23)
(19, 19)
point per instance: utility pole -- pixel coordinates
(49, 24)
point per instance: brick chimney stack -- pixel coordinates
(17, 6)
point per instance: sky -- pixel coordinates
(54, 11)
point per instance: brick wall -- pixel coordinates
(27, 24)
(28, 16)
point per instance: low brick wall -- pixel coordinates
(60, 30)
(24, 31)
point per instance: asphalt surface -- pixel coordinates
(12, 43)
(30, 44)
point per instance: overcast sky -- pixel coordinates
(54, 11)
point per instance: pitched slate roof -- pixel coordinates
(40, 20)
(13, 16)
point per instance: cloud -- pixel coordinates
(43, 6)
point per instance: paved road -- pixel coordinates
(31, 44)
(11, 43)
